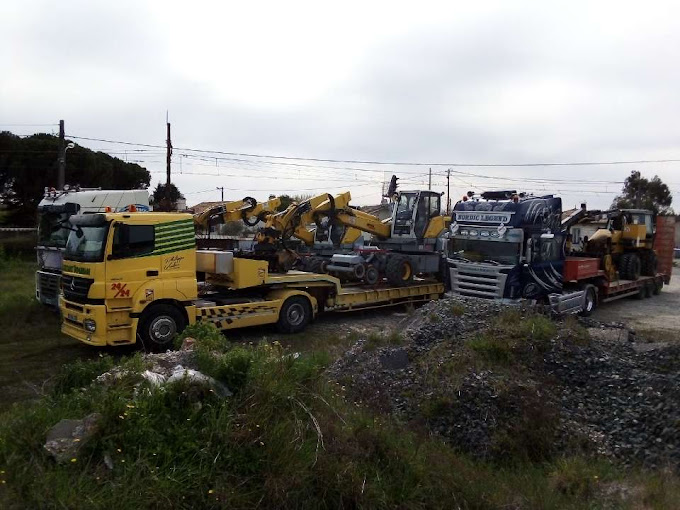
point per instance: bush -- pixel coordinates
(81, 373)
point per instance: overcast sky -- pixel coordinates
(428, 82)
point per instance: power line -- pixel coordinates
(394, 163)
(28, 125)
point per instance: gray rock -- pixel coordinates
(66, 439)
(394, 360)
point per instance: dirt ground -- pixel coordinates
(655, 319)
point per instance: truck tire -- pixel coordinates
(372, 275)
(158, 327)
(399, 271)
(649, 263)
(642, 292)
(658, 286)
(630, 266)
(590, 301)
(295, 314)
(649, 289)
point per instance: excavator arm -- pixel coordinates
(294, 221)
(247, 210)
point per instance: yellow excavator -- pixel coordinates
(407, 244)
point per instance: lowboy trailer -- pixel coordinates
(139, 277)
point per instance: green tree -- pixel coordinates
(641, 193)
(159, 200)
(28, 165)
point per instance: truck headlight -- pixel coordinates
(90, 325)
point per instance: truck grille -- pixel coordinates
(48, 285)
(478, 280)
(75, 288)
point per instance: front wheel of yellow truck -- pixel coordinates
(295, 314)
(158, 327)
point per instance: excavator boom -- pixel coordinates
(247, 210)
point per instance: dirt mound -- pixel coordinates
(497, 380)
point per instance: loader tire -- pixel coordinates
(630, 266)
(399, 271)
(649, 263)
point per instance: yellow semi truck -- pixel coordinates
(130, 277)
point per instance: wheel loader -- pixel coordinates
(626, 244)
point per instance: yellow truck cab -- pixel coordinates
(131, 277)
(118, 264)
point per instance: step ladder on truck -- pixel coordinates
(132, 277)
(509, 246)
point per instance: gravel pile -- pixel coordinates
(609, 394)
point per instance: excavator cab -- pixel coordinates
(413, 211)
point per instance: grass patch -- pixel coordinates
(285, 438)
(32, 347)
(457, 309)
(513, 333)
(375, 340)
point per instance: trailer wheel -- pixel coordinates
(649, 262)
(295, 314)
(372, 275)
(658, 285)
(642, 292)
(590, 300)
(649, 289)
(158, 327)
(399, 271)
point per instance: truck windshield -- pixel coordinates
(486, 251)
(89, 247)
(50, 231)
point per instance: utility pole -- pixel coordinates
(448, 190)
(429, 182)
(169, 160)
(61, 177)
(222, 190)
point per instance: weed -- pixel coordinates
(457, 309)
(81, 373)
(492, 348)
(433, 317)
(376, 340)
(207, 334)
(435, 407)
